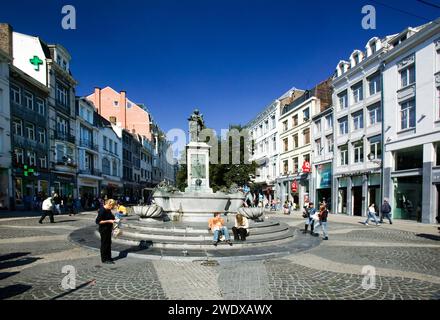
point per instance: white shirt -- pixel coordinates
(372, 210)
(47, 204)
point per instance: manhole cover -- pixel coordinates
(210, 263)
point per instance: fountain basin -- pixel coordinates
(197, 206)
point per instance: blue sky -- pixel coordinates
(228, 58)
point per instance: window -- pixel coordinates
(343, 101)
(116, 148)
(295, 141)
(42, 135)
(330, 143)
(129, 105)
(295, 120)
(274, 124)
(43, 162)
(358, 121)
(104, 142)
(62, 126)
(374, 84)
(329, 122)
(15, 94)
(20, 155)
(62, 94)
(343, 126)
(1, 100)
(266, 125)
(318, 127)
(358, 148)
(343, 154)
(408, 76)
(114, 168)
(286, 144)
(318, 147)
(274, 143)
(306, 134)
(285, 126)
(306, 157)
(295, 165)
(112, 119)
(410, 158)
(306, 115)
(29, 100)
(32, 159)
(358, 92)
(374, 114)
(373, 47)
(40, 106)
(17, 127)
(375, 148)
(285, 166)
(30, 131)
(407, 115)
(105, 166)
(116, 103)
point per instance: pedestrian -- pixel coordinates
(69, 205)
(309, 212)
(386, 211)
(322, 222)
(57, 202)
(371, 214)
(217, 226)
(47, 208)
(241, 228)
(105, 220)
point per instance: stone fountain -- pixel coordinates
(198, 202)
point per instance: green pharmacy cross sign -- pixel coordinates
(35, 61)
(28, 170)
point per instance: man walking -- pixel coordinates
(47, 210)
(386, 211)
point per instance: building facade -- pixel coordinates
(88, 155)
(110, 150)
(322, 148)
(6, 191)
(62, 122)
(411, 77)
(357, 101)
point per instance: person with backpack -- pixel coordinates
(322, 215)
(386, 211)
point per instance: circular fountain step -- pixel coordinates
(192, 241)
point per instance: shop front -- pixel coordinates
(111, 190)
(64, 184)
(408, 198)
(323, 183)
(4, 189)
(29, 187)
(342, 206)
(87, 186)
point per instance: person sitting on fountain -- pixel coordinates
(241, 228)
(217, 225)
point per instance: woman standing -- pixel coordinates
(105, 220)
(241, 227)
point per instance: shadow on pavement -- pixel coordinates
(142, 246)
(13, 255)
(13, 290)
(4, 275)
(429, 236)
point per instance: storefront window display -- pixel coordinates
(407, 198)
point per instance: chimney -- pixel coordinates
(97, 99)
(123, 108)
(6, 38)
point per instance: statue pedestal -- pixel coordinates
(197, 154)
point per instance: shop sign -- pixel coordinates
(294, 187)
(306, 167)
(436, 177)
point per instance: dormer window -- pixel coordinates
(373, 47)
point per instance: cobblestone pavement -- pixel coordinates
(407, 263)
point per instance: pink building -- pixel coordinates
(116, 108)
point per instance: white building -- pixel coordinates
(295, 181)
(357, 108)
(5, 133)
(88, 155)
(110, 150)
(411, 90)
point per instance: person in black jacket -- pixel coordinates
(323, 215)
(386, 211)
(105, 220)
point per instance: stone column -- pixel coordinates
(365, 203)
(334, 200)
(349, 197)
(428, 188)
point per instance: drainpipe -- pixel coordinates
(381, 68)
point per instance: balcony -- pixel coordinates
(89, 144)
(64, 137)
(90, 172)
